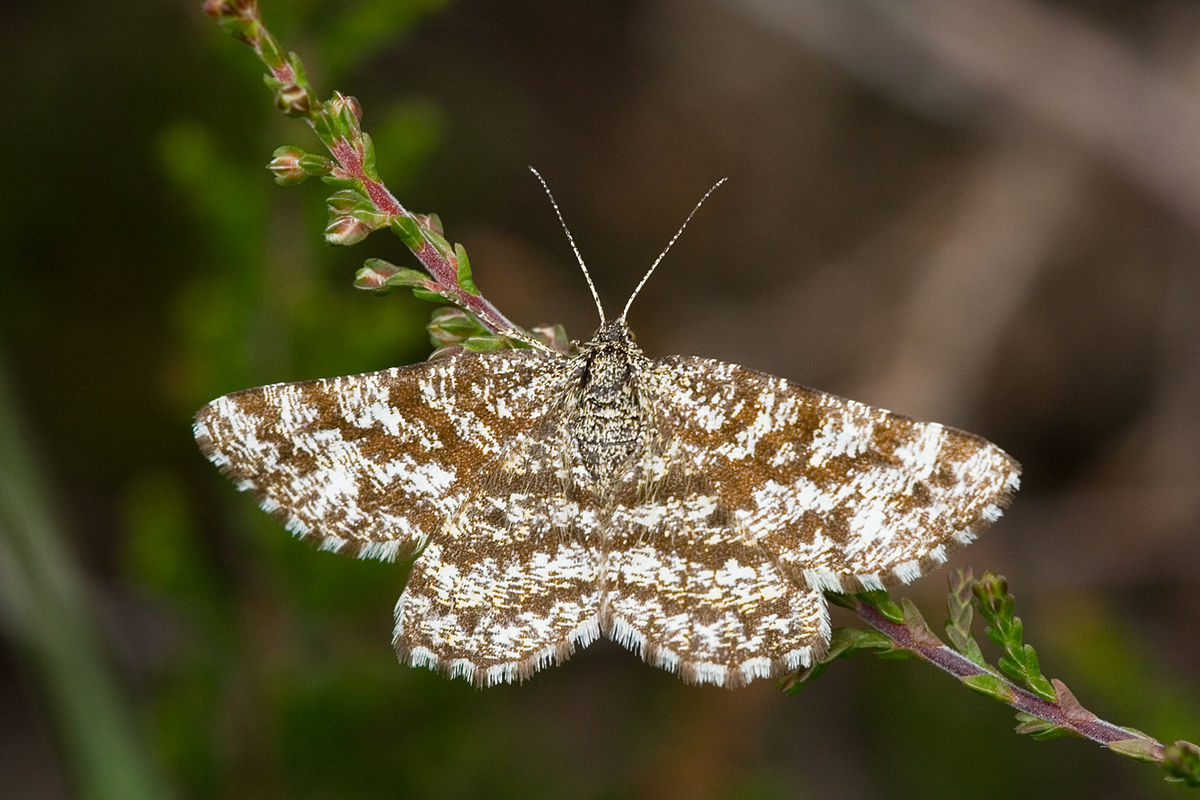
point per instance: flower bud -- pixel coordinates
(239, 18)
(350, 102)
(342, 113)
(286, 167)
(222, 9)
(346, 230)
(293, 99)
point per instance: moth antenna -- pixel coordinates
(661, 255)
(587, 275)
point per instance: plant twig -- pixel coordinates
(1064, 713)
(362, 203)
(1046, 708)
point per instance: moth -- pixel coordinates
(692, 510)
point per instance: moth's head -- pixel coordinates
(612, 342)
(608, 364)
(615, 333)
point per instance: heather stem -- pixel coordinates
(1065, 714)
(336, 124)
(441, 268)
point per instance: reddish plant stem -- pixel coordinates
(349, 156)
(945, 658)
(445, 273)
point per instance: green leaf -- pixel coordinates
(843, 600)
(791, 683)
(298, 73)
(881, 602)
(1136, 748)
(482, 344)
(451, 326)
(323, 126)
(340, 118)
(1040, 729)
(991, 685)
(439, 243)
(380, 276)
(314, 164)
(958, 631)
(344, 122)
(918, 628)
(349, 201)
(270, 53)
(848, 641)
(368, 159)
(341, 181)
(1022, 665)
(409, 277)
(960, 616)
(1039, 685)
(465, 281)
(432, 295)
(971, 650)
(1020, 661)
(843, 643)
(1011, 668)
(409, 232)
(455, 320)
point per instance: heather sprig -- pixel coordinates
(361, 203)
(1046, 708)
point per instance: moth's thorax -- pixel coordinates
(606, 417)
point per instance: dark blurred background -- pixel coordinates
(984, 213)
